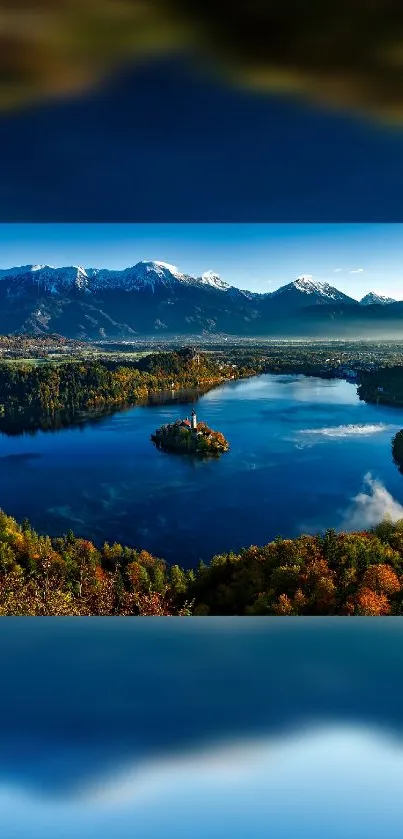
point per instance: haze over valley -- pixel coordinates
(121, 387)
(156, 298)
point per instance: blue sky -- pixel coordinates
(260, 257)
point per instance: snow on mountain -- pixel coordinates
(145, 274)
(212, 279)
(372, 297)
(153, 295)
(6, 273)
(164, 265)
(314, 288)
(150, 274)
(57, 280)
(45, 278)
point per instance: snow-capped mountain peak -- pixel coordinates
(305, 283)
(151, 275)
(372, 297)
(156, 267)
(46, 278)
(213, 279)
(172, 268)
(315, 289)
(154, 296)
(147, 273)
(308, 285)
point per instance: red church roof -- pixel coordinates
(186, 422)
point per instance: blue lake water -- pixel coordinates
(305, 455)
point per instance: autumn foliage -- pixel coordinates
(334, 574)
(44, 390)
(70, 576)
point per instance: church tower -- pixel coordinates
(193, 422)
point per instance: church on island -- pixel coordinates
(189, 436)
(188, 423)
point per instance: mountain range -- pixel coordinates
(155, 298)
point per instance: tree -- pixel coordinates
(368, 602)
(382, 579)
(177, 580)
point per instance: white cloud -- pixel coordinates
(346, 430)
(371, 506)
(337, 270)
(357, 271)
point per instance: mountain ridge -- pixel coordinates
(373, 297)
(154, 297)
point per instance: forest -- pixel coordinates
(51, 395)
(330, 574)
(383, 386)
(397, 450)
(69, 377)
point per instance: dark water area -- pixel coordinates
(202, 727)
(305, 454)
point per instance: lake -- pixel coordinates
(305, 454)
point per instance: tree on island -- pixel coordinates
(190, 437)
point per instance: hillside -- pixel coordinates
(333, 574)
(156, 299)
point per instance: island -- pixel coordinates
(190, 437)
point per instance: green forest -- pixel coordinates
(333, 574)
(34, 395)
(383, 386)
(397, 450)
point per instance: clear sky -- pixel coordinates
(357, 258)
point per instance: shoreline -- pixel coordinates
(55, 421)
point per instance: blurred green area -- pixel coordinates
(347, 53)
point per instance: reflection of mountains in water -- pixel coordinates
(14, 424)
(222, 679)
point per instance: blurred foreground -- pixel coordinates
(163, 143)
(348, 54)
(201, 728)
